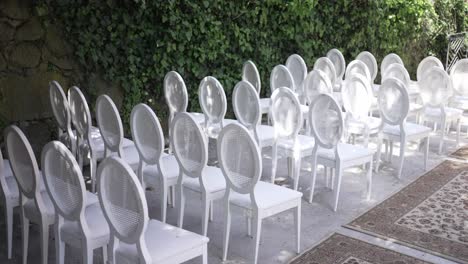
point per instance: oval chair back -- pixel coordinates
(250, 74)
(370, 62)
(338, 61)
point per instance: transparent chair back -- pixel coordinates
(426, 64)
(212, 100)
(63, 180)
(357, 96)
(358, 67)
(246, 104)
(316, 83)
(22, 160)
(393, 101)
(399, 72)
(175, 93)
(286, 113)
(281, 77)
(298, 69)
(325, 65)
(122, 200)
(109, 124)
(239, 158)
(250, 74)
(147, 133)
(189, 145)
(370, 62)
(59, 104)
(81, 116)
(389, 60)
(435, 87)
(338, 61)
(326, 121)
(459, 75)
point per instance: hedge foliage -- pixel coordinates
(136, 43)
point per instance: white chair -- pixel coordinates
(389, 60)
(10, 198)
(190, 148)
(371, 64)
(250, 74)
(246, 105)
(426, 64)
(77, 224)
(214, 105)
(358, 67)
(149, 141)
(134, 237)
(298, 69)
(60, 108)
(326, 65)
(111, 128)
(394, 104)
(339, 63)
(35, 204)
(316, 83)
(287, 120)
(241, 163)
(327, 125)
(459, 77)
(436, 89)
(176, 96)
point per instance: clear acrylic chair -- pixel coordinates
(190, 148)
(246, 105)
(134, 237)
(298, 69)
(339, 62)
(250, 74)
(77, 224)
(110, 125)
(176, 96)
(241, 163)
(61, 111)
(459, 77)
(149, 141)
(213, 103)
(287, 121)
(358, 67)
(370, 62)
(325, 65)
(436, 90)
(316, 83)
(389, 60)
(10, 198)
(394, 104)
(35, 203)
(327, 125)
(426, 64)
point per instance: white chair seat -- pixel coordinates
(214, 181)
(165, 243)
(265, 104)
(99, 147)
(413, 88)
(266, 135)
(305, 143)
(356, 127)
(98, 227)
(213, 131)
(305, 110)
(31, 211)
(436, 113)
(347, 152)
(267, 196)
(199, 117)
(91, 198)
(410, 129)
(415, 107)
(460, 102)
(171, 168)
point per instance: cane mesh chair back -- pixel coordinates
(212, 100)
(426, 64)
(338, 61)
(435, 87)
(393, 101)
(357, 96)
(298, 69)
(239, 158)
(59, 104)
(109, 124)
(147, 133)
(251, 75)
(175, 93)
(281, 77)
(63, 180)
(326, 121)
(399, 72)
(358, 67)
(81, 116)
(389, 60)
(316, 82)
(370, 62)
(246, 104)
(459, 75)
(325, 65)
(189, 145)
(286, 113)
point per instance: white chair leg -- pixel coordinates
(87, 254)
(211, 211)
(59, 244)
(25, 237)
(227, 229)
(442, 135)
(313, 178)
(402, 156)
(386, 150)
(390, 154)
(205, 254)
(378, 155)
(44, 231)
(339, 174)
(248, 220)
(274, 161)
(297, 171)
(181, 205)
(258, 231)
(426, 152)
(297, 223)
(164, 194)
(458, 131)
(92, 172)
(369, 181)
(172, 188)
(205, 214)
(104, 254)
(9, 223)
